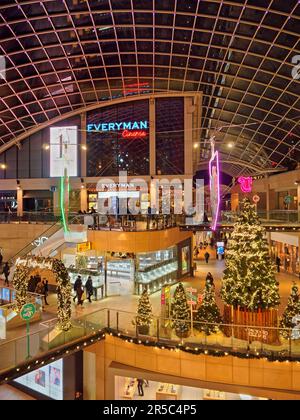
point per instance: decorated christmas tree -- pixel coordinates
(181, 313)
(208, 312)
(144, 313)
(292, 310)
(249, 279)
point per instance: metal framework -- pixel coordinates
(69, 54)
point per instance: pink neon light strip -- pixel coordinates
(215, 219)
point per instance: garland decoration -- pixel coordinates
(64, 289)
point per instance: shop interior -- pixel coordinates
(133, 388)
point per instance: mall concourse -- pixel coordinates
(149, 200)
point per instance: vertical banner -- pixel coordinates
(214, 174)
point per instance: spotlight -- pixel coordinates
(47, 146)
(3, 166)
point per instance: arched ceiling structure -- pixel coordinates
(67, 54)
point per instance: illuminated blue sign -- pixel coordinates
(122, 126)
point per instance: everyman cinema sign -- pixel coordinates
(135, 129)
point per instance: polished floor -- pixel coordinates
(9, 393)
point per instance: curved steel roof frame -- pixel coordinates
(67, 55)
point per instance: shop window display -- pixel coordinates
(156, 269)
(140, 389)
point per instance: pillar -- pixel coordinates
(20, 202)
(188, 136)
(83, 148)
(152, 137)
(56, 208)
(267, 187)
(83, 199)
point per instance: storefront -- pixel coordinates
(38, 201)
(286, 247)
(122, 274)
(82, 260)
(133, 388)
(8, 199)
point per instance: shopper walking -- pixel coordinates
(206, 256)
(76, 284)
(278, 263)
(46, 290)
(79, 293)
(210, 279)
(6, 272)
(141, 387)
(89, 288)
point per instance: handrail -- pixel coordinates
(123, 324)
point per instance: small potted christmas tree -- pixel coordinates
(144, 314)
(181, 314)
(292, 309)
(208, 313)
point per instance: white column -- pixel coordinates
(188, 136)
(152, 137)
(83, 149)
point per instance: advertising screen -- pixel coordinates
(47, 380)
(63, 151)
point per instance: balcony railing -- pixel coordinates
(201, 337)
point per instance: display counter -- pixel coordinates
(130, 388)
(168, 392)
(153, 279)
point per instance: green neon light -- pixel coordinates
(62, 204)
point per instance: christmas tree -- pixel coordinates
(144, 313)
(292, 310)
(208, 312)
(181, 313)
(249, 279)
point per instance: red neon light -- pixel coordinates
(134, 134)
(135, 88)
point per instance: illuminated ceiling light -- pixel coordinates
(83, 147)
(3, 166)
(46, 146)
(230, 145)
(196, 145)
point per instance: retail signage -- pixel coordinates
(256, 198)
(121, 126)
(87, 246)
(258, 334)
(192, 299)
(296, 330)
(246, 183)
(288, 199)
(27, 312)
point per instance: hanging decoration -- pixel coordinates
(64, 290)
(246, 183)
(214, 175)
